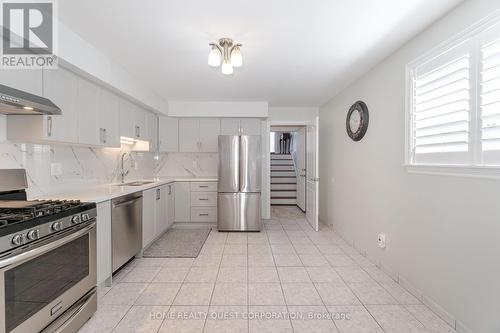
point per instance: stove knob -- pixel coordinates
(76, 219)
(17, 239)
(85, 217)
(32, 234)
(56, 226)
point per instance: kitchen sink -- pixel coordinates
(136, 183)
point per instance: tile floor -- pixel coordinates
(287, 278)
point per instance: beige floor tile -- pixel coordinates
(353, 274)
(185, 319)
(313, 260)
(265, 294)
(124, 293)
(377, 274)
(293, 274)
(323, 274)
(105, 319)
(311, 319)
(227, 319)
(330, 249)
(399, 293)
(236, 248)
(150, 262)
(142, 319)
(361, 260)
(232, 274)
(194, 294)
(354, 319)
(229, 294)
(396, 319)
(336, 294)
(287, 260)
(158, 294)
(177, 262)
(429, 319)
(259, 249)
(340, 260)
(141, 274)
(262, 275)
(202, 274)
(307, 249)
(282, 249)
(269, 319)
(233, 260)
(260, 260)
(236, 238)
(301, 294)
(210, 260)
(171, 274)
(371, 293)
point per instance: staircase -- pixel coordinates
(283, 180)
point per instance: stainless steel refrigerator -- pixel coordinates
(239, 186)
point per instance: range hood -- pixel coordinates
(13, 101)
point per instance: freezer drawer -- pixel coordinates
(239, 212)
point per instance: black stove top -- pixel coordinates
(16, 215)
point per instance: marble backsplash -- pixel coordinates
(82, 167)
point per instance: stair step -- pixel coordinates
(282, 168)
(282, 174)
(281, 157)
(283, 201)
(283, 180)
(283, 187)
(282, 162)
(283, 194)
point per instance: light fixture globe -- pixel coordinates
(214, 57)
(227, 68)
(236, 57)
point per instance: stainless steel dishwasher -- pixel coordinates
(126, 228)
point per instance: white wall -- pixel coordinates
(291, 115)
(443, 232)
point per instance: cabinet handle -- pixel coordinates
(158, 194)
(49, 126)
(137, 132)
(204, 214)
(203, 186)
(169, 189)
(105, 135)
(203, 199)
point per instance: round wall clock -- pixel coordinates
(357, 120)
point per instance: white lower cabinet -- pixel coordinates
(155, 213)
(182, 202)
(104, 257)
(171, 204)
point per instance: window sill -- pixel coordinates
(486, 172)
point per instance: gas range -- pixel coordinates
(22, 221)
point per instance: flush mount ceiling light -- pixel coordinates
(226, 52)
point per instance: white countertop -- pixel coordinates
(110, 191)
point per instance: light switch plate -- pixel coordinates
(56, 169)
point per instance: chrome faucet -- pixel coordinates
(123, 173)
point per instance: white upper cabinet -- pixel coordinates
(61, 86)
(140, 124)
(169, 134)
(29, 80)
(89, 108)
(109, 113)
(250, 126)
(188, 135)
(237, 126)
(127, 116)
(198, 135)
(230, 126)
(152, 130)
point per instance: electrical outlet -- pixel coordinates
(55, 169)
(381, 241)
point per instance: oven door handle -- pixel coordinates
(45, 248)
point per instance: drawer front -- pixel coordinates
(203, 214)
(204, 186)
(203, 199)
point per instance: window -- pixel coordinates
(453, 115)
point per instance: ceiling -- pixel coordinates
(295, 52)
